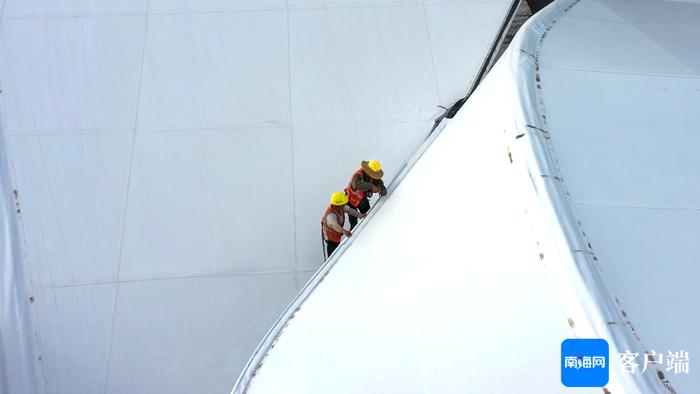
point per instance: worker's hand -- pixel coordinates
(383, 192)
(347, 233)
(363, 215)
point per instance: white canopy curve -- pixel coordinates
(548, 208)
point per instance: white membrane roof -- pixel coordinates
(165, 165)
(621, 88)
(561, 202)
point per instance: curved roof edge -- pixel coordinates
(595, 313)
(268, 343)
(269, 340)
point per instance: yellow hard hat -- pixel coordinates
(375, 165)
(339, 199)
(373, 168)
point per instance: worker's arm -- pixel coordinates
(380, 185)
(359, 184)
(332, 222)
(353, 212)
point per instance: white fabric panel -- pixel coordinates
(619, 133)
(360, 64)
(16, 339)
(162, 327)
(166, 148)
(215, 70)
(349, 3)
(51, 8)
(595, 11)
(672, 14)
(472, 25)
(650, 264)
(303, 277)
(212, 203)
(564, 49)
(672, 25)
(184, 6)
(627, 156)
(74, 344)
(55, 71)
(72, 194)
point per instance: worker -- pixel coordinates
(334, 219)
(365, 181)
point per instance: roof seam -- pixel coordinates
(68, 15)
(217, 274)
(126, 203)
(589, 274)
(619, 72)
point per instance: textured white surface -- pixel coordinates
(628, 156)
(173, 159)
(587, 124)
(398, 313)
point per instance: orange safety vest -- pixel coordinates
(331, 234)
(354, 196)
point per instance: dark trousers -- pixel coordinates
(363, 208)
(330, 248)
